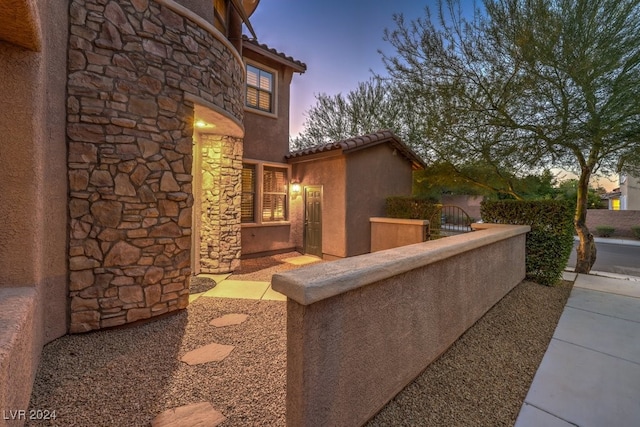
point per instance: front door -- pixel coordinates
(313, 220)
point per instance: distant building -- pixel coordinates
(629, 192)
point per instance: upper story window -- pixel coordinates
(260, 89)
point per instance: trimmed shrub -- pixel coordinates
(550, 241)
(414, 208)
(636, 231)
(410, 208)
(605, 230)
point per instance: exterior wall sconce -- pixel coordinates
(295, 189)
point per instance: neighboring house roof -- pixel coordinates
(614, 194)
(280, 57)
(358, 143)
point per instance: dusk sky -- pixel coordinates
(338, 40)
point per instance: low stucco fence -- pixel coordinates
(360, 329)
(387, 233)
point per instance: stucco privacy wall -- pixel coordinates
(221, 193)
(135, 69)
(33, 194)
(360, 329)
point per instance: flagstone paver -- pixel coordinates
(197, 414)
(229, 320)
(302, 260)
(208, 353)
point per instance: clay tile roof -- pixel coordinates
(363, 142)
(252, 44)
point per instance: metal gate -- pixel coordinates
(449, 220)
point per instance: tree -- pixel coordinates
(568, 190)
(526, 84)
(482, 179)
(370, 107)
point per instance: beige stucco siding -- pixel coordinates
(330, 173)
(372, 175)
(33, 233)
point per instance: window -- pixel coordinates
(247, 205)
(272, 197)
(274, 194)
(260, 89)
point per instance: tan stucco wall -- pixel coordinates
(265, 239)
(330, 173)
(387, 233)
(33, 198)
(360, 329)
(372, 175)
(202, 8)
(33, 206)
(267, 137)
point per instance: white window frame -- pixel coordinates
(259, 196)
(274, 91)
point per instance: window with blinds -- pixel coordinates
(247, 205)
(259, 89)
(274, 194)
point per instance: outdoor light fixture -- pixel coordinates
(201, 124)
(295, 187)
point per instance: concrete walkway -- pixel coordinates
(590, 374)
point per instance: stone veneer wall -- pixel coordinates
(221, 198)
(129, 130)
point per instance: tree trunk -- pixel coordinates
(586, 250)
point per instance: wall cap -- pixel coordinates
(399, 221)
(315, 283)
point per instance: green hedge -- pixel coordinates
(550, 241)
(605, 230)
(413, 208)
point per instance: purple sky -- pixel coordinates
(338, 40)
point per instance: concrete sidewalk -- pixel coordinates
(590, 374)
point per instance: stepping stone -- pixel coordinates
(196, 414)
(229, 320)
(208, 353)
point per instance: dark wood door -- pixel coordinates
(313, 220)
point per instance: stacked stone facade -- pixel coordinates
(130, 151)
(221, 201)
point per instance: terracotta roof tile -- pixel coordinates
(362, 142)
(297, 65)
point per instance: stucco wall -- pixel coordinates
(372, 175)
(33, 197)
(470, 204)
(267, 137)
(330, 173)
(135, 69)
(360, 329)
(33, 152)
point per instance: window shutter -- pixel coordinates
(247, 205)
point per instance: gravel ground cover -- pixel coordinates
(125, 377)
